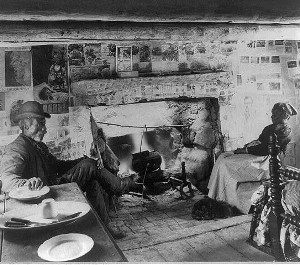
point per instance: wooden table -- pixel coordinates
(22, 246)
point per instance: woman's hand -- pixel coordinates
(241, 151)
(35, 183)
(252, 143)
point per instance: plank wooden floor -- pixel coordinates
(163, 230)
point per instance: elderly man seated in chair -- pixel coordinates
(27, 161)
(249, 164)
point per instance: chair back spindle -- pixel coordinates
(275, 219)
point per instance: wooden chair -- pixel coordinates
(277, 215)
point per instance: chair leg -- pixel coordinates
(254, 222)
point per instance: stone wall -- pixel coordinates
(247, 68)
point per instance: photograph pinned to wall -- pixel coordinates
(92, 53)
(90, 72)
(170, 52)
(76, 55)
(136, 61)
(260, 43)
(293, 69)
(239, 81)
(156, 56)
(270, 43)
(275, 87)
(124, 59)
(189, 51)
(54, 125)
(289, 44)
(144, 64)
(244, 59)
(297, 82)
(260, 87)
(265, 59)
(156, 51)
(88, 61)
(275, 59)
(17, 68)
(145, 53)
(279, 42)
(200, 49)
(49, 71)
(292, 64)
(57, 78)
(289, 49)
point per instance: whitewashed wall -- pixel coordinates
(244, 106)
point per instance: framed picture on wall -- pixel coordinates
(123, 58)
(17, 69)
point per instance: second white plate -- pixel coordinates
(25, 194)
(65, 247)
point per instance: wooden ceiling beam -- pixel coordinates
(230, 11)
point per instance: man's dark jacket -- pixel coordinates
(24, 158)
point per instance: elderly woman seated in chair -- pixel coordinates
(249, 164)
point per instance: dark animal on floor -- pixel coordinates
(208, 209)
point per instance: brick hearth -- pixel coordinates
(163, 230)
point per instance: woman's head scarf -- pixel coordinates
(282, 111)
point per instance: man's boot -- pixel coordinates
(117, 185)
(133, 188)
(137, 188)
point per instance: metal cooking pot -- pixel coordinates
(146, 160)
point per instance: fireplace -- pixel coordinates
(152, 139)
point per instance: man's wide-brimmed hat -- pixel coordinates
(31, 109)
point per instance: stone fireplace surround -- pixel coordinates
(181, 129)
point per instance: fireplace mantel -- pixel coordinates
(134, 90)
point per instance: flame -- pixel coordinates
(139, 144)
(125, 167)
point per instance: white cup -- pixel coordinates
(48, 209)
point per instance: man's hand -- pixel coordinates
(83, 171)
(35, 183)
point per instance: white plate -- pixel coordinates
(25, 194)
(33, 213)
(65, 247)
